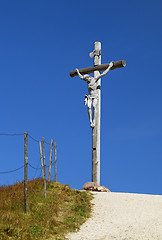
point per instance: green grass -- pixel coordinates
(63, 211)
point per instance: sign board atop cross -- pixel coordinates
(94, 100)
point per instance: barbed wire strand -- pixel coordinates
(34, 139)
(47, 166)
(33, 167)
(12, 170)
(47, 143)
(12, 135)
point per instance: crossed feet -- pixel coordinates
(92, 124)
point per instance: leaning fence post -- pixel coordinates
(44, 167)
(41, 158)
(50, 162)
(26, 171)
(55, 163)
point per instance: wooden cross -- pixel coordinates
(96, 129)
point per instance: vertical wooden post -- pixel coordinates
(50, 162)
(44, 167)
(55, 162)
(96, 129)
(26, 171)
(41, 158)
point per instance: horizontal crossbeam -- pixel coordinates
(101, 67)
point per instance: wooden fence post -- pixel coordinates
(26, 171)
(44, 167)
(55, 162)
(41, 158)
(50, 162)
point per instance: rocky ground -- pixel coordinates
(123, 216)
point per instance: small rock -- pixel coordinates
(90, 186)
(102, 189)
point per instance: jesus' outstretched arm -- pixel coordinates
(82, 77)
(105, 72)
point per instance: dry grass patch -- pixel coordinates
(63, 211)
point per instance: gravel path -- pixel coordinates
(123, 216)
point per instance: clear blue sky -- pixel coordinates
(40, 43)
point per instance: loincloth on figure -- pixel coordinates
(89, 99)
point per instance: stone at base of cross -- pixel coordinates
(90, 186)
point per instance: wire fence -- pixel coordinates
(36, 163)
(47, 155)
(13, 170)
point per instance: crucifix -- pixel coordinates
(93, 101)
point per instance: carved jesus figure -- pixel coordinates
(92, 98)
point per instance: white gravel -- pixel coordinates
(123, 216)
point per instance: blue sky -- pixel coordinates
(40, 43)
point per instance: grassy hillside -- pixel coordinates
(63, 211)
